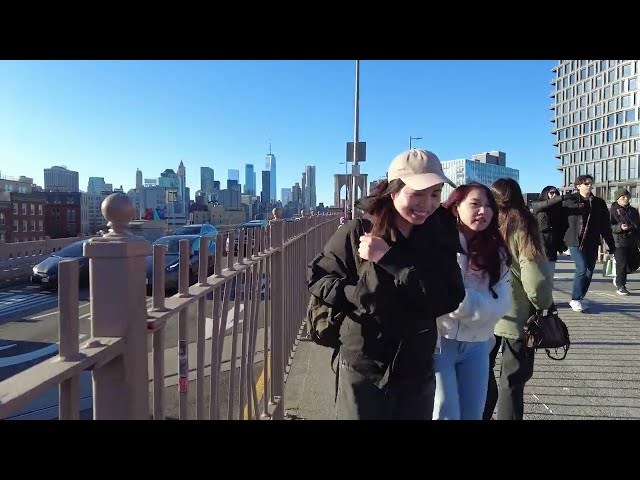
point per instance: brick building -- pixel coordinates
(62, 214)
(23, 216)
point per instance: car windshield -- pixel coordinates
(172, 244)
(188, 231)
(71, 251)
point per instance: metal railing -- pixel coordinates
(256, 298)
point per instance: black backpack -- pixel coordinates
(323, 321)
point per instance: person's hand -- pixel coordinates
(372, 248)
(624, 226)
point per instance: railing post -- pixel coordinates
(118, 309)
(277, 317)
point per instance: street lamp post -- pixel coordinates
(355, 169)
(346, 187)
(413, 138)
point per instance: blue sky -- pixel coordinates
(107, 118)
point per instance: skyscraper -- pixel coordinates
(182, 194)
(206, 179)
(271, 167)
(233, 175)
(597, 123)
(96, 185)
(138, 180)
(310, 190)
(60, 179)
(285, 196)
(249, 179)
(265, 195)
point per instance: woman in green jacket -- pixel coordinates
(531, 290)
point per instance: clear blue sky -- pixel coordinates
(107, 118)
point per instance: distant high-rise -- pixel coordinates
(285, 196)
(271, 166)
(249, 179)
(596, 119)
(310, 190)
(233, 174)
(206, 179)
(182, 191)
(304, 187)
(96, 185)
(60, 179)
(265, 195)
(138, 180)
(296, 193)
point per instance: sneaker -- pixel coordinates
(622, 291)
(576, 305)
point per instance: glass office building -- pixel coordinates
(596, 123)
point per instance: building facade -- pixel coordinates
(310, 187)
(22, 216)
(484, 168)
(249, 179)
(270, 165)
(63, 214)
(61, 179)
(206, 179)
(596, 123)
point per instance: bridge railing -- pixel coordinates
(18, 259)
(257, 302)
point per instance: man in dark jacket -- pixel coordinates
(626, 232)
(588, 221)
(552, 222)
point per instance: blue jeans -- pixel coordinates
(585, 261)
(462, 376)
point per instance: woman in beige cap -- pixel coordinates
(391, 274)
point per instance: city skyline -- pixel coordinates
(116, 117)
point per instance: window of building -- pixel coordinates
(632, 84)
(598, 110)
(616, 88)
(598, 124)
(576, 145)
(637, 142)
(587, 153)
(586, 141)
(560, 135)
(613, 75)
(610, 136)
(624, 132)
(40, 229)
(572, 105)
(579, 89)
(591, 69)
(596, 153)
(611, 105)
(15, 225)
(586, 127)
(598, 81)
(583, 74)
(2, 239)
(564, 82)
(575, 117)
(576, 130)
(617, 149)
(622, 168)
(619, 118)
(625, 148)
(2, 219)
(633, 167)
(24, 208)
(582, 169)
(630, 115)
(611, 120)
(24, 225)
(572, 79)
(33, 209)
(611, 169)
(596, 139)
(590, 112)
(33, 225)
(634, 132)
(626, 101)
(604, 152)
(568, 93)
(566, 68)
(582, 102)
(607, 92)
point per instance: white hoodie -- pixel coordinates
(479, 312)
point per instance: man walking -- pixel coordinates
(626, 232)
(588, 221)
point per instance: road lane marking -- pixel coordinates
(27, 357)
(8, 346)
(208, 326)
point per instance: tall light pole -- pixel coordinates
(413, 138)
(355, 170)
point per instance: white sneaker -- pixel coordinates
(576, 305)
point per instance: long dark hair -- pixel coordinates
(484, 249)
(515, 216)
(379, 205)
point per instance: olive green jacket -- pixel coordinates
(531, 290)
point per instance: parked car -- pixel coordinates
(248, 226)
(197, 229)
(172, 260)
(46, 272)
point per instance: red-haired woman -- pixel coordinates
(466, 334)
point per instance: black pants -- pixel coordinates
(516, 370)
(622, 258)
(366, 393)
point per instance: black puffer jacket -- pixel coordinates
(552, 222)
(588, 220)
(392, 305)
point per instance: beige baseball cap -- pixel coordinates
(418, 169)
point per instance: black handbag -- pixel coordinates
(547, 331)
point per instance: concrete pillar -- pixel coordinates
(118, 309)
